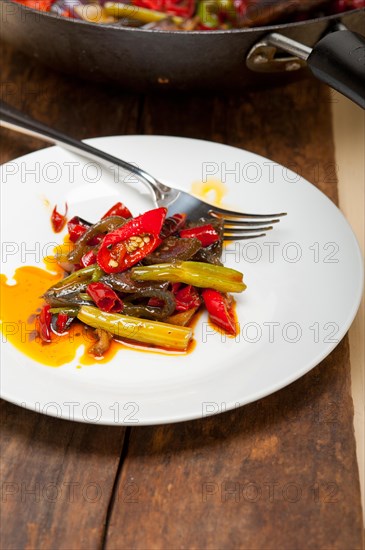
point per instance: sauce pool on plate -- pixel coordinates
(20, 304)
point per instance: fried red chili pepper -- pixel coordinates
(206, 234)
(61, 322)
(211, 254)
(62, 318)
(76, 227)
(173, 224)
(129, 244)
(44, 323)
(102, 226)
(184, 8)
(220, 310)
(104, 297)
(88, 259)
(58, 220)
(119, 209)
(187, 298)
(41, 5)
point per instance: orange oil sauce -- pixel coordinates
(20, 304)
(212, 190)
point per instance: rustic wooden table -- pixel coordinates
(279, 473)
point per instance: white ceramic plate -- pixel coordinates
(304, 284)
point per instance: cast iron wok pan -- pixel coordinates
(143, 59)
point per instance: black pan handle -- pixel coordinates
(338, 59)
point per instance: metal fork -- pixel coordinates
(237, 225)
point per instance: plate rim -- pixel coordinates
(8, 396)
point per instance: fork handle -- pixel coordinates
(20, 122)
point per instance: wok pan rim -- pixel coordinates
(263, 29)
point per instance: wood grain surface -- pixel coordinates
(279, 473)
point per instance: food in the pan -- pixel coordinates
(141, 279)
(193, 14)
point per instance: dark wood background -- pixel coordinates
(279, 473)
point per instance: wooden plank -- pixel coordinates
(57, 476)
(73, 106)
(57, 480)
(348, 119)
(279, 473)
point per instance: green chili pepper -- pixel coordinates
(85, 296)
(207, 12)
(70, 311)
(97, 274)
(133, 328)
(197, 274)
(78, 276)
(118, 10)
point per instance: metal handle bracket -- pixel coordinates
(267, 55)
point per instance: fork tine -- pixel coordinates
(243, 237)
(241, 230)
(244, 233)
(232, 224)
(222, 213)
